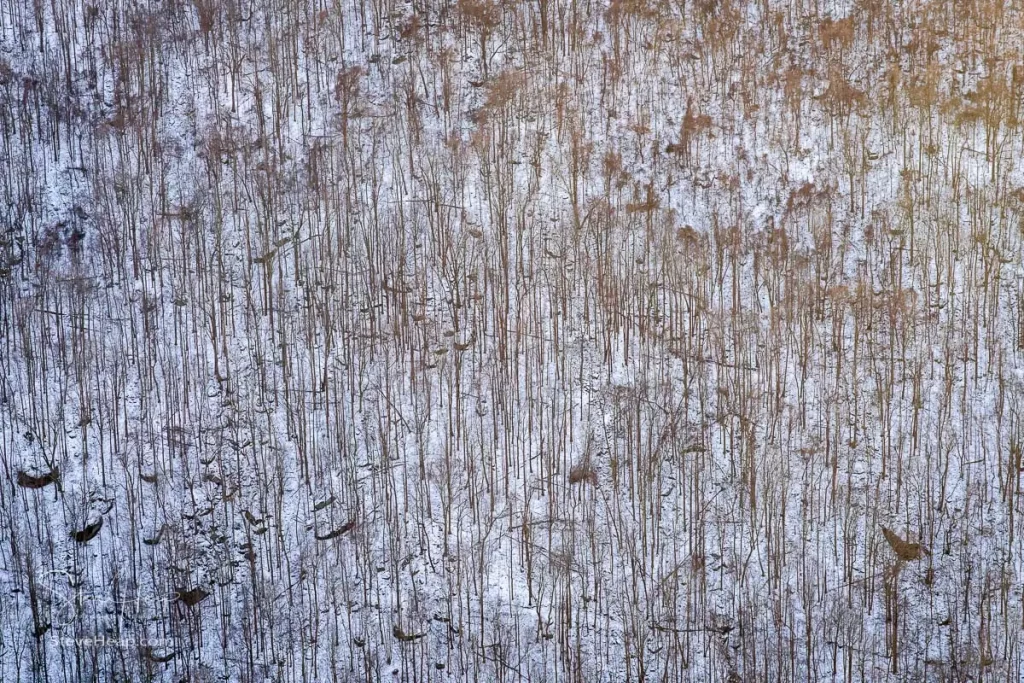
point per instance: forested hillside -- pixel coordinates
(533, 340)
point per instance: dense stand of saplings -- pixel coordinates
(515, 341)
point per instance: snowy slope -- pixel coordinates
(518, 341)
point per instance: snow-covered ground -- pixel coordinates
(511, 341)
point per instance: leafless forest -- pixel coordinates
(516, 341)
